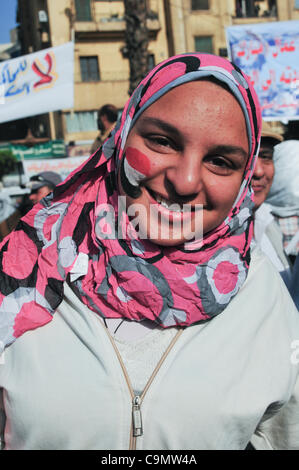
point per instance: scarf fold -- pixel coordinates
(79, 235)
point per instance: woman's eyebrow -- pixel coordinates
(230, 149)
(165, 126)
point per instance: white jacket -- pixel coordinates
(64, 388)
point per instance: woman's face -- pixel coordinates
(189, 147)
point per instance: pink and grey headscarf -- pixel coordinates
(64, 238)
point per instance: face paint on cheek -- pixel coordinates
(135, 167)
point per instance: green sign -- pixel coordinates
(51, 149)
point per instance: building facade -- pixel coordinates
(101, 68)
(98, 29)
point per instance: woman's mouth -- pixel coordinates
(258, 188)
(170, 205)
(174, 212)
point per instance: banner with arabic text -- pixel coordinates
(63, 166)
(50, 149)
(269, 54)
(37, 83)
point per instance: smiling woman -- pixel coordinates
(176, 341)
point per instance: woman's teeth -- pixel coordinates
(175, 207)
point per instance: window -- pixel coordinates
(255, 8)
(200, 5)
(81, 121)
(297, 4)
(204, 44)
(150, 62)
(83, 10)
(89, 68)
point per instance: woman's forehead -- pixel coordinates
(195, 92)
(198, 107)
(212, 77)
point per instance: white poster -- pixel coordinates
(63, 166)
(37, 83)
(269, 54)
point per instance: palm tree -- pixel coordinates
(136, 40)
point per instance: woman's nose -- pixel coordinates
(259, 169)
(186, 174)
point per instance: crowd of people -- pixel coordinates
(170, 322)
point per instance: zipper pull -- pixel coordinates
(137, 418)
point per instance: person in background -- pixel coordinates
(42, 184)
(267, 234)
(283, 196)
(107, 117)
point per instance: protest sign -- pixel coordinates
(269, 54)
(63, 166)
(37, 83)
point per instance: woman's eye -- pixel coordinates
(220, 164)
(159, 141)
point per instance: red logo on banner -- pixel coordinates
(47, 77)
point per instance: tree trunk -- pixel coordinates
(136, 40)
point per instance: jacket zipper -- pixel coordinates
(136, 424)
(136, 416)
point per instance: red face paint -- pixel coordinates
(138, 160)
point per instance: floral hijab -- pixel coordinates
(64, 238)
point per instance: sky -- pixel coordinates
(7, 19)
